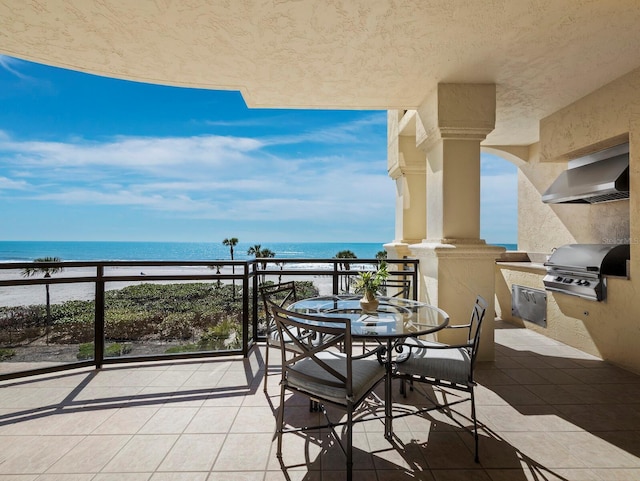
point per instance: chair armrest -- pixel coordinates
(458, 326)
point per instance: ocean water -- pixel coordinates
(26, 251)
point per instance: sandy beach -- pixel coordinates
(29, 295)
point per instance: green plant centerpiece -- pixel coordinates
(369, 283)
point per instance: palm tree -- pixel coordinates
(266, 254)
(231, 242)
(47, 271)
(381, 255)
(255, 250)
(346, 254)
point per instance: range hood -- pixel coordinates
(599, 177)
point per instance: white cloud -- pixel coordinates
(9, 184)
(10, 65)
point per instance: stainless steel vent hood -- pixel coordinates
(599, 177)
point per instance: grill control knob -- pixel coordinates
(559, 278)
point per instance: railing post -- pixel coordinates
(255, 299)
(245, 310)
(98, 329)
(336, 278)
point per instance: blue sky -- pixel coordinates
(84, 157)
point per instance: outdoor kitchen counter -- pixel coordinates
(523, 261)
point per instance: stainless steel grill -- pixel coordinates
(580, 269)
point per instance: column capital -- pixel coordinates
(456, 111)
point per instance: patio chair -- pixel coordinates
(282, 294)
(397, 287)
(325, 373)
(445, 365)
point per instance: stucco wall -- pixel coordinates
(609, 329)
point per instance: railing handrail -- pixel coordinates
(248, 272)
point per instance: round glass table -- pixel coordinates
(395, 319)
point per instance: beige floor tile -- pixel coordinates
(65, 477)
(224, 398)
(402, 475)
(595, 451)
(122, 477)
(143, 454)
(299, 451)
(256, 420)
(127, 420)
(460, 475)
(90, 454)
(203, 379)
(193, 452)
(169, 420)
(617, 474)
(33, 454)
(542, 448)
(212, 420)
(249, 453)
(177, 476)
(173, 379)
(237, 476)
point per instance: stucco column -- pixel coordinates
(407, 166)
(455, 264)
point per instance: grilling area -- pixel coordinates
(547, 411)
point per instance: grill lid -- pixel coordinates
(604, 259)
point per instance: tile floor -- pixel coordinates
(548, 412)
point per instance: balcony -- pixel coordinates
(547, 411)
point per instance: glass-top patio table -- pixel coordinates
(395, 319)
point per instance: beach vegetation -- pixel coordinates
(6, 353)
(46, 271)
(86, 350)
(146, 318)
(20, 324)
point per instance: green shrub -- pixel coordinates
(86, 350)
(177, 326)
(6, 354)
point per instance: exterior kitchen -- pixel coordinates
(598, 315)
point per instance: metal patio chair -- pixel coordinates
(325, 373)
(281, 294)
(445, 365)
(397, 287)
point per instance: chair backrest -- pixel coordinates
(398, 287)
(324, 334)
(281, 294)
(475, 325)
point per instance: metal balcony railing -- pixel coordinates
(81, 314)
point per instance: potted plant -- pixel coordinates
(368, 283)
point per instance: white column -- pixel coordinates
(407, 166)
(455, 264)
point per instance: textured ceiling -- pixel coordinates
(347, 54)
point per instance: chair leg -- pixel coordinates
(280, 423)
(349, 442)
(475, 423)
(266, 366)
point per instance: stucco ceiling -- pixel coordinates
(346, 54)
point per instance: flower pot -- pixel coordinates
(369, 303)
